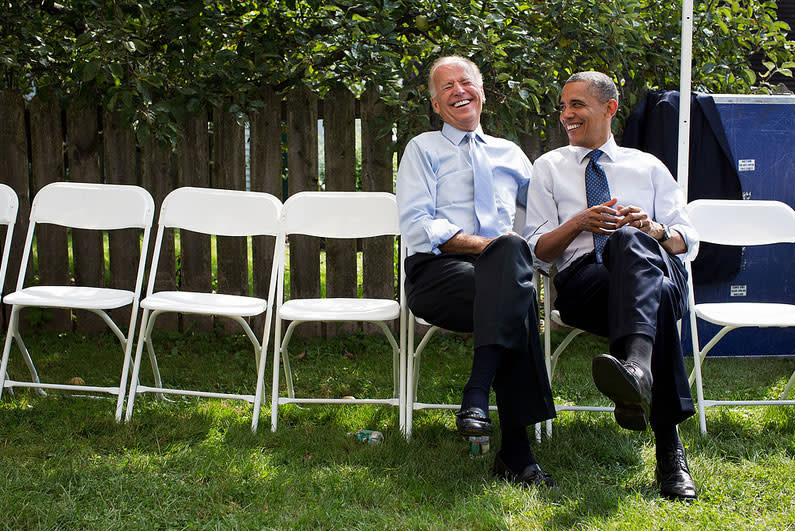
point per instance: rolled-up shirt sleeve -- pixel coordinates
(416, 197)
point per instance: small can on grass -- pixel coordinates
(369, 436)
(478, 445)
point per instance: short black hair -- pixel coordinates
(604, 87)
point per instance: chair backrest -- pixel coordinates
(221, 212)
(341, 214)
(93, 206)
(9, 205)
(742, 222)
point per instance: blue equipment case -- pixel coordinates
(761, 134)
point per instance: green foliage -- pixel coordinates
(158, 61)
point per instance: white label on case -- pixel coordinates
(738, 291)
(746, 165)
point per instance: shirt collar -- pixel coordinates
(609, 149)
(456, 136)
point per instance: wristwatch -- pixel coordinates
(666, 233)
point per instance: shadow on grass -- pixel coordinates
(744, 433)
(597, 465)
(195, 462)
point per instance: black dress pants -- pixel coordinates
(492, 295)
(638, 289)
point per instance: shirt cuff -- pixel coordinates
(439, 231)
(537, 262)
(691, 240)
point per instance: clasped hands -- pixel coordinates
(610, 216)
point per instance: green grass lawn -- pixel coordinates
(194, 463)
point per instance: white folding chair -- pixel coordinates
(222, 213)
(743, 223)
(339, 215)
(102, 207)
(9, 205)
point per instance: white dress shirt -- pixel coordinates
(557, 194)
(435, 189)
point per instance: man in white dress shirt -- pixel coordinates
(467, 271)
(613, 222)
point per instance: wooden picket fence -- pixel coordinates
(87, 144)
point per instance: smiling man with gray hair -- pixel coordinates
(468, 271)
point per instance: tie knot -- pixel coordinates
(595, 154)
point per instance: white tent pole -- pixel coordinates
(684, 95)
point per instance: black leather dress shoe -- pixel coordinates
(628, 386)
(673, 474)
(531, 476)
(473, 422)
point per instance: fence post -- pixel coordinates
(82, 133)
(302, 175)
(47, 162)
(379, 264)
(229, 172)
(556, 137)
(193, 169)
(266, 176)
(14, 168)
(531, 144)
(339, 133)
(120, 168)
(157, 177)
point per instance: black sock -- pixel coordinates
(637, 349)
(484, 366)
(515, 448)
(665, 437)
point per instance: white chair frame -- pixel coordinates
(339, 215)
(83, 206)
(413, 359)
(223, 213)
(9, 206)
(739, 223)
(552, 357)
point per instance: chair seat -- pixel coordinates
(80, 297)
(204, 303)
(341, 309)
(747, 313)
(557, 318)
(422, 321)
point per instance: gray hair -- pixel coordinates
(471, 68)
(602, 86)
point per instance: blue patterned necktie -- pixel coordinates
(597, 191)
(485, 202)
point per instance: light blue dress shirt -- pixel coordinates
(435, 189)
